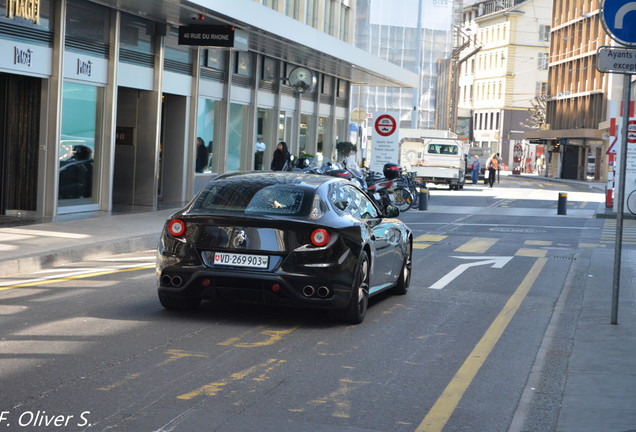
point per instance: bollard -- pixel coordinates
(563, 203)
(423, 199)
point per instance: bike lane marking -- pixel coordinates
(443, 409)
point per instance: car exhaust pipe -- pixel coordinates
(166, 280)
(308, 291)
(323, 291)
(177, 281)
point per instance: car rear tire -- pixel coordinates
(403, 283)
(174, 303)
(357, 308)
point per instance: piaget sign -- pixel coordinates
(27, 9)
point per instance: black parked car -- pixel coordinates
(283, 238)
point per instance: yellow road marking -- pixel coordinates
(273, 337)
(421, 245)
(537, 243)
(477, 245)
(80, 276)
(338, 398)
(429, 238)
(443, 408)
(527, 252)
(214, 388)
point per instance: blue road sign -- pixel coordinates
(619, 19)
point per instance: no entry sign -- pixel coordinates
(385, 125)
(385, 140)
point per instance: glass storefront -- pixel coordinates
(265, 130)
(236, 131)
(80, 145)
(206, 128)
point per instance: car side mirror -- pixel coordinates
(391, 211)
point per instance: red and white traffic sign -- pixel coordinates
(631, 131)
(385, 125)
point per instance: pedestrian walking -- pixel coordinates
(475, 168)
(493, 165)
(280, 159)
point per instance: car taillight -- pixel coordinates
(177, 228)
(320, 237)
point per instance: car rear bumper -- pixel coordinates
(256, 287)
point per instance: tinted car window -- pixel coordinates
(348, 199)
(364, 208)
(341, 199)
(238, 197)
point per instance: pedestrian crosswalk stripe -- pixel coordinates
(477, 245)
(537, 243)
(536, 253)
(608, 233)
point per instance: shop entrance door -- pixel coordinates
(173, 152)
(134, 175)
(19, 142)
(570, 162)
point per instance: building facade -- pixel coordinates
(505, 68)
(581, 100)
(103, 101)
(390, 29)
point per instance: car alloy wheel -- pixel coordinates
(404, 281)
(359, 303)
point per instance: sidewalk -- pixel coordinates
(28, 248)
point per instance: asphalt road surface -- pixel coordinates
(87, 347)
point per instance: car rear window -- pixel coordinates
(278, 199)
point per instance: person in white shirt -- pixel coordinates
(259, 151)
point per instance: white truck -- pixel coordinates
(436, 157)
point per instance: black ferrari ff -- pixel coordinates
(283, 238)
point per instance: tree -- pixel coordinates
(537, 113)
(344, 149)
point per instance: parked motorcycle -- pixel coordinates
(389, 190)
(380, 190)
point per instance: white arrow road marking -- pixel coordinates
(497, 262)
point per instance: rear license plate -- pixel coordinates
(241, 260)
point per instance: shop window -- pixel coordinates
(87, 22)
(243, 63)
(214, 58)
(136, 34)
(269, 66)
(80, 145)
(236, 132)
(206, 129)
(175, 52)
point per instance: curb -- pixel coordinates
(50, 259)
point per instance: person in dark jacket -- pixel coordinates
(280, 157)
(202, 156)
